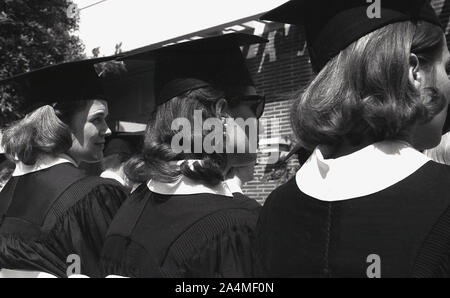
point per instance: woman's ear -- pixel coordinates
(220, 107)
(414, 73)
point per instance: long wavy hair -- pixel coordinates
(160, 162)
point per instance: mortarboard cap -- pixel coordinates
(129, 90)
(77, 80)
(332, 25)
(124, 143)
(212, 61)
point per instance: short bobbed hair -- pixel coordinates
(365, 93)
(45, 131)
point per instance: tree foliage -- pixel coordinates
(33, 33)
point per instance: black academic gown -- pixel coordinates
(201, 235)
(53, 213)
(401, 231)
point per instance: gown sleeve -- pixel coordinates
(81, 230)
(123, 257)
(433, 260)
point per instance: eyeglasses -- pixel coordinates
(256, 103)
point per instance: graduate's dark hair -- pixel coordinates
(39, 132)
(364, 91)
(159, 161)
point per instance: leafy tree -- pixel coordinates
(33, 33)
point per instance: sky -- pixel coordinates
(138, 23)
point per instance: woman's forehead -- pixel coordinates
(98, 106)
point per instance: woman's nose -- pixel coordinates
(108, 131)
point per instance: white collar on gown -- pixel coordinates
(364, 172)
(113, 175)
(42, 163)
(187, 186)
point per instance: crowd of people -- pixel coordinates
(370, 122)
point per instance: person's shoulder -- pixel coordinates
(130, 213)
(437, 168)
(290, 187)
(74, 184)
(101, 185)
(432, 176)
(283, 193)
(86, 195)
(238, 215)
(242, 201)
(62, 175)
(91, 188)
(231, 223)
(220, 205)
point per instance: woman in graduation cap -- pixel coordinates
(185, 220)
(367, 203)
(53, 217)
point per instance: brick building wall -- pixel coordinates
(280, 70)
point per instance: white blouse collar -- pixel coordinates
(187, 186)
(364, 172)
(234, 185)
(108, 174)
(44, 162)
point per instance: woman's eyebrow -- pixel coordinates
(99, 113)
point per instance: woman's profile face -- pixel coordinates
(429, 135)
(89, 130)
(244, 131)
